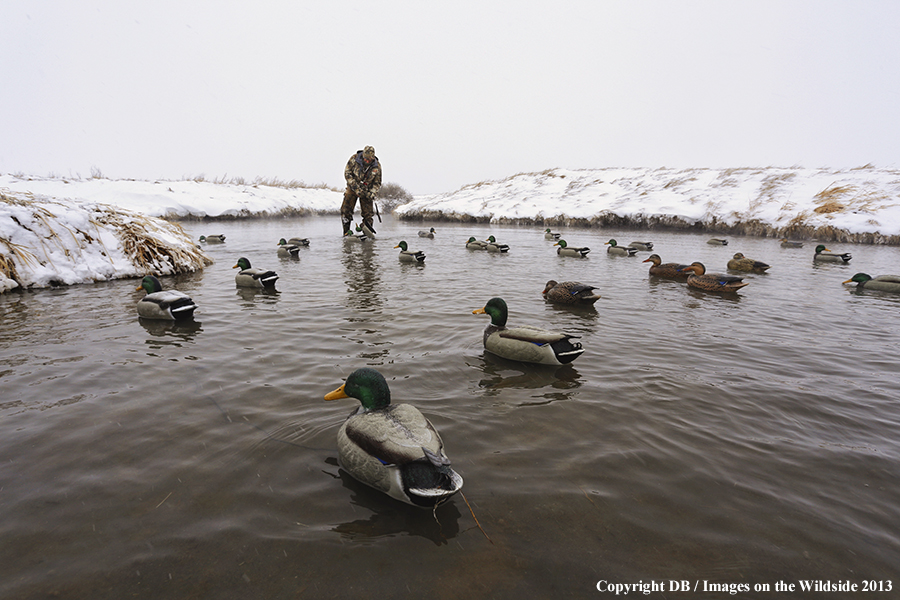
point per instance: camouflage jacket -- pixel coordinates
(363, 179)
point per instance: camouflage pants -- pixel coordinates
(366, 207)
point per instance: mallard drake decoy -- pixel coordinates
(286, 249)
(786, 243)
(366, 229)
(549, 235)
(822, 255)
(525, 343)
(212, 239)
(883, 283)
(169, 305)
(360, 236)
(712, 282)
(473, 244)
(570, 292)
(717, 242)
(251, 277)
(566, 250)
(617, 250)
(297, 241)
(646, 246)
(670, 270)
(407, 255)
(392, 447)
(427, 234)
(493, 246)
(739, 262)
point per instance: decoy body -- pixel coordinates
(473, 244)
(717, 242)
(741, 263)
(427, 234)
(883, 283)
(670, 270)
(359, 236)
(616, 250)
(212, 239)
(392, 447)
(786, 243)
(549, 235)
(297, 241)
(570, 292)
(566, 250)
(646, 246)
(363, 228)
(287, 249)
(169, 305)
(823, 254)
(526, 343)
(407, 255)
(493, 246)
(712, 282)
(251, 277)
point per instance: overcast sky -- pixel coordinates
(449, 93)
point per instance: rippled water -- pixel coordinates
(749, 438)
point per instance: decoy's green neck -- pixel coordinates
(369, 387)
(496, 307)
(151, 284)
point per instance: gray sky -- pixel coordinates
(448, 93)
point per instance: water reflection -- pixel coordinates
(251, 295)
(565, 378)
(361, 276)
(391, 518)
(184, 330)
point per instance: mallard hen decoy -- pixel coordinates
(822, 255)
(392, 447)
(549, 235)
(717, 242)
(712, 282)
(252, 277)
(739, 262)
(525, 343)
(493, 246)
(407, 255)
(570, 292)
(616, 250)
(566, 250)
(670, 270)
(286, 249)
(473, 244)
(645, 246)
(212, 239)
(786, 243)
(168, 305)
(883, 283)
(427, 234)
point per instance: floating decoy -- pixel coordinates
(570, 292)
(296, 241)
(617, 250)
(251, 277)
(427, 234)
(670, 270)
(525, 343)
(365, 230)
(212, 239)
(392, 447)
(473, 244)
(493, 246)
(712, 282)
(286, 249)
(168, 305)
(822, 255)
(741, 263)
(549, 235)
(883, 283)
(786, 243)
(717, 242)
(360, 236)
(646, 246)
(566, 250)
(407, 255)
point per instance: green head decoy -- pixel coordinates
(366, 385)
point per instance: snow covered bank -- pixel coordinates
(183, 199)
(858, 205)
(46, 242)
